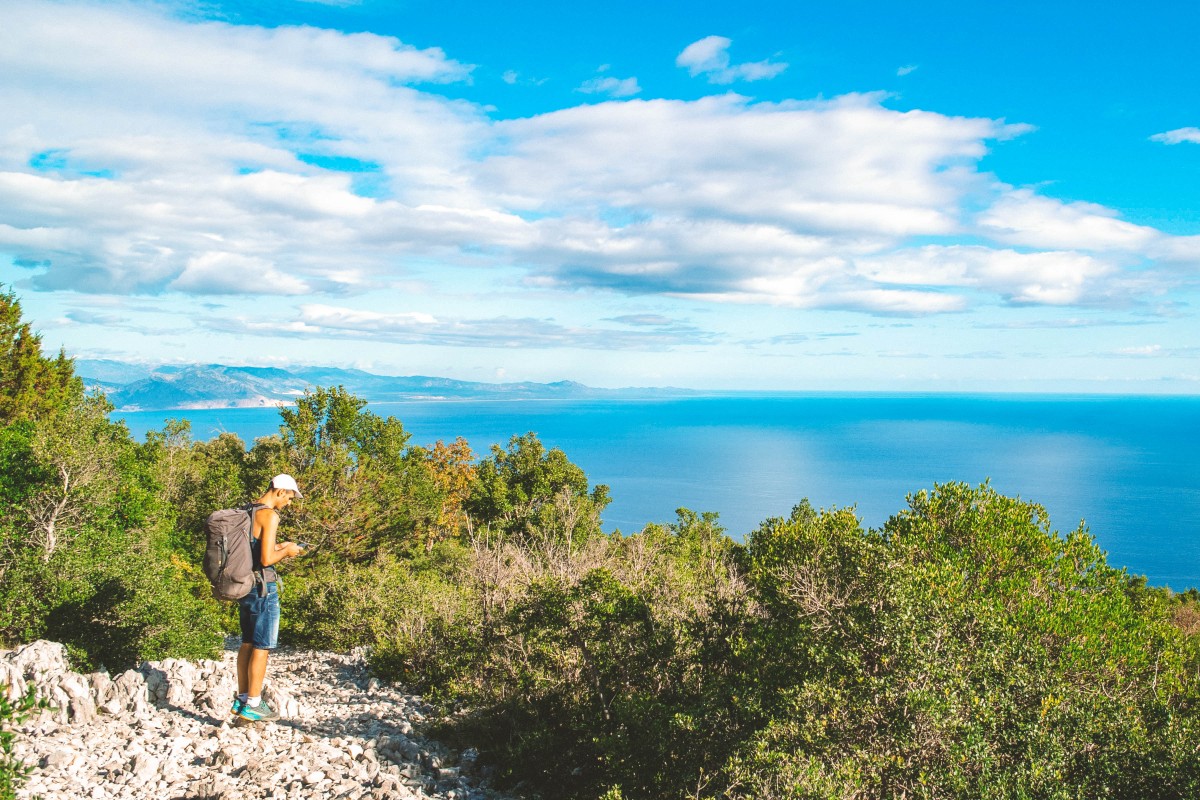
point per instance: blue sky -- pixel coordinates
(763, 195)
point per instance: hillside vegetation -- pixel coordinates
(964, 650)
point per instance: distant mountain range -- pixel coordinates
(134, 387)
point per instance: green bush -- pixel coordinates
(342, 606)
(12, 771)
(590, 657)
(966, 650)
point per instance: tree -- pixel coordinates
(76, 450)
(364, 487)
(967, 650)
(452, 469)
(84, 522)
(530, 492)
(31, 385)
(194, 479)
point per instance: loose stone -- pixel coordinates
(163, 730)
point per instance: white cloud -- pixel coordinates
(709, 56)
(1022, 218)
(1044, 278)
(846, 165)
(206, 152)
(351, 319)
(325, 321)
(613, 87)
(231, 273)
(1178, 136)
(1148, 350)
(907, 69)
(198, 138)
(1177, 251)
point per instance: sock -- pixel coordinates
(253, 701)
(243, 697)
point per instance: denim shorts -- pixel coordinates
(260, 618)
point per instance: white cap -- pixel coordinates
(285, 481)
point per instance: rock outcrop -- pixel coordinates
(163, 731)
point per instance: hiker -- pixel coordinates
(259, 610)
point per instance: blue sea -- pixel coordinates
(1126, 466)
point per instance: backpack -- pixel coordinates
(228, 555)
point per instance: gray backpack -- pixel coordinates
(228, 555)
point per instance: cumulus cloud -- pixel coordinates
(710, 57)
(1044, 278)
(1178, 136)
(613, 87)
(197, 138)
(1023, 218)
(231, 273)
(208, 154)
(845, 165)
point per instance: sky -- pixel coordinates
(851, 196)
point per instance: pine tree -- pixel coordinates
(31, 385)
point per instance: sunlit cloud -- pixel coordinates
(613, 87)
(1021, 217)
(230, 273)
(1044, 278)
(1178, 136)
(324, 164)
(710, 57)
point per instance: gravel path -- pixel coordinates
(163, 732)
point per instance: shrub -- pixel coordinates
(12, 771)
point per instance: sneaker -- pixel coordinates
(259, 713)
(236, 708)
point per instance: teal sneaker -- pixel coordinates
(259, 713)
(236, 708)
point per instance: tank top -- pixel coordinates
(268, 573)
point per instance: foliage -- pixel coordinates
(592, 658)
(12, 771)
(452, 472)
(344, 606)
(963, 650)
(529, 492)
(86, 532)
(366, 489)
(31, 385)
(194, 479)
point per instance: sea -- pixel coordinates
(1126, 467)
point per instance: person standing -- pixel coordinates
(258, 611)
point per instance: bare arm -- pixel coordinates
(268, 525)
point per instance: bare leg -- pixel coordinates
(243, 666)
(256, 671)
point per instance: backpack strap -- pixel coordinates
(260, 578)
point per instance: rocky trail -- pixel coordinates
(163, 732)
